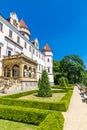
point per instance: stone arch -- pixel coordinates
(7, 71)
(15, 71)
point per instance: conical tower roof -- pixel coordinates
(46, 48)
(22, 24)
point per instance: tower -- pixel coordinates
(49, 62)
(24, 29)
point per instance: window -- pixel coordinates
(1, 27)
(48, 69)
(36, 53)
(48, 60)
(25, 45)
(18, 39)
(10, 33)
(0, 51)
(9, 52)
(30, 48)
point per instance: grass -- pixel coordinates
(55, 97)
(10, 125)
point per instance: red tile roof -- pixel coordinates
(22, 24)
(46, 48)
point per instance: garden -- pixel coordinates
(37, 109)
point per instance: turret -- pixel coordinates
(24, 29)
(49, 62)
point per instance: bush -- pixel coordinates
(62, 82)
(21, 94)
(53, 121)
(62, 105)
(44, 86)
(66, 100)
(21, 114)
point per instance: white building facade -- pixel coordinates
(16, 48)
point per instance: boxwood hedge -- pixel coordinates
(62, 105)
(21, 114)
(21, 94)
(53, 121)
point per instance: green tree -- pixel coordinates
(56, 66)
(72, 66)
(44, 86)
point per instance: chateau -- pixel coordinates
(20, 59)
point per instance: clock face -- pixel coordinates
(15, 23)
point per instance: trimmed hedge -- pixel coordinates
(66, 100)
(21, 114)
(21, 94)
(31, 104)
(62, 105)
(63, 88)
(53, 121)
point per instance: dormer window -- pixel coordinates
(10, 33)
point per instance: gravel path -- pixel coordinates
(76, 116)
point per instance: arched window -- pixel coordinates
(15, 71)
(7, 71)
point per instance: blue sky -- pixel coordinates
(60, 23)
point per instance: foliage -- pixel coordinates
(53, 121)
(17, 95)
(57, 75)
(72, 66)
(58, 106)
(44, 86)
(63, 82)
(66, 100)
(62, 89)
(21, 114)
(56, 66)
(84, 77)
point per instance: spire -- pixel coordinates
(46, 48)
(22, 24)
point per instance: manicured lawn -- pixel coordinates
(10, 125)
(55, 97)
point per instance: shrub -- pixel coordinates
(44, 86)
(62, 105)
(62, 82)
(66, 100)
(21, 94)
(21, 114)
(53, 121)
(67, 82)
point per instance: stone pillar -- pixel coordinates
(21, 70)
(11, 72)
